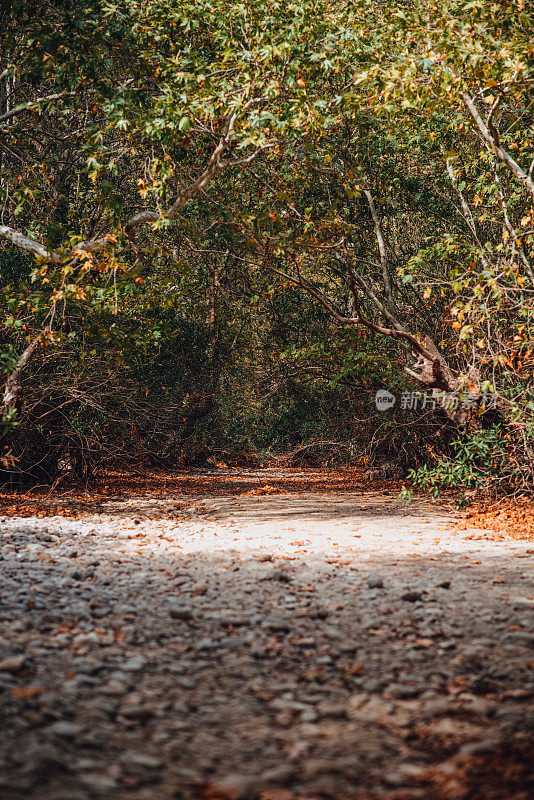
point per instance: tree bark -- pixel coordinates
(492, 141)
(386, 278)
(214, 166)
(12, 386)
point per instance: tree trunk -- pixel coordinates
(12, 386)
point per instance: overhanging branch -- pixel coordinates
(214, 166)
(491, 139)
(24, 243)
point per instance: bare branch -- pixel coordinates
(382, 250)
(466, 211)
(492, 142)
(31, 106)
(467, 215)
(24, 243)
(247, 159)
(511, 230)
(12, 384)
(427, 351)
(215, 165)
(319, 296)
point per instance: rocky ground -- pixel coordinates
(287, 646)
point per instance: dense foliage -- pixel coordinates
(225, 225)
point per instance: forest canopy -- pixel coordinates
(225, 226)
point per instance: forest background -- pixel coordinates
(224, 226)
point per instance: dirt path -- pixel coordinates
(264, 646)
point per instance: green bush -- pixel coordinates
(479, 461)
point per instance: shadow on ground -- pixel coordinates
(265, 647)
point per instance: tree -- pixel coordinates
(375, 182)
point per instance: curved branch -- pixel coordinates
(433, 370)
(386, 278)
(32, 105)
(326, 302)
(12, 384)
(214, 166)
(491, 140)
(24, 243)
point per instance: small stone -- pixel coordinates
(306, 641)
(135, 711)
(402, 691)
(478, 748)
(313, 767)
(412, 595)
(277, 575)
(37, 756)
(180, 611)
(12, 663)
(438, 706)
(143, 760)
(471, 658)
(134, 664)
(86, 638)
(185, 683)
(374, 581)
(65, 729)
(276, 624)
(332, 710)
(114, 689)
(101, 611)
(100, 784)
(404, 773)
(318, 612)
(520, 637)
(207, 644)
(279, 776)
(235, 787)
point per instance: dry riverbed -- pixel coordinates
(277, 646)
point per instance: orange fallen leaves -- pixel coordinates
(261, 490)
(508, 518)
(214, 792)
(63, 629)
(26, 692)
(74, 501)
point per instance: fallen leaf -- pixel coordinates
(26, 692)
